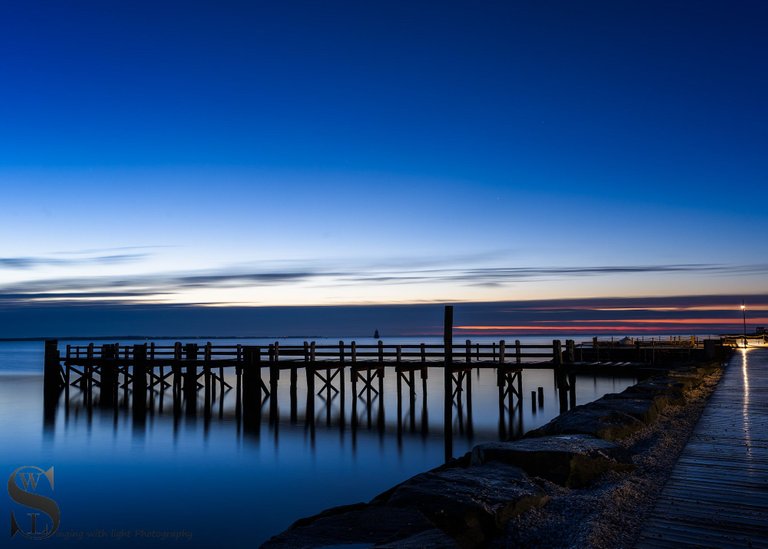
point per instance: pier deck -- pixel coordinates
(717, 495)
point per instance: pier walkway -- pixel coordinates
(717, 495)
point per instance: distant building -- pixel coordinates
(760, 330)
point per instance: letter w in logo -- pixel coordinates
(29, 480)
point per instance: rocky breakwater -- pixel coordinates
(472, 500)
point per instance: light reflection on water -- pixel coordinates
(221, 483)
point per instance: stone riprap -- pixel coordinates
(469, 501)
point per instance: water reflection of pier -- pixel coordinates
(403, 415)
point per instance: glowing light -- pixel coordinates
(747, 424)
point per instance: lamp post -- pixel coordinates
(744, 316)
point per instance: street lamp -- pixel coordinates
(744, 316)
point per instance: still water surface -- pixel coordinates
(203, 482)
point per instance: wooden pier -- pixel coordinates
(111, 374)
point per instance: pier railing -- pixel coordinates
(463, 352)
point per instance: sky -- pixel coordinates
(222, 156)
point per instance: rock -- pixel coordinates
(363, 525)
(469, 504)
(602, 420)
(641, 407)
(430, 539)
(663, 390)
(569, 460)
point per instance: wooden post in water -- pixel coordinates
(310, 370)
(424, 370)
(86, 382)
(190, 379)
(342, 389)
(207, 379)
(448, 380)
(251, 386)
(176, 369)
(560, 376)
(139, 380)
(468, 378)
(51, 382)
(274, 378)
(353, 375)
(51, 375)
(570, 351)
(108, 389)
(557, 353)
(67, 369)
(379, 372)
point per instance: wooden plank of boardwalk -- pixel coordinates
(717, 495)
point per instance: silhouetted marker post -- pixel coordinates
(448, 380)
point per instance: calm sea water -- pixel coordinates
(198, 482)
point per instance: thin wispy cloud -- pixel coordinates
(113, 249)
(31, 262)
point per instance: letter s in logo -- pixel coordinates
(23, 487)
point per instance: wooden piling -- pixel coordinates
(207, 379)
(557, 353)
(570, 351)
(190, 378)
(310, 371)
(51, 370)
(342, 381)
(109, 382)
(274, 378)
(86, 382)
(251, 384)
(139, 382)
(448, 380)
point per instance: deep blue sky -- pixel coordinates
(379, 152)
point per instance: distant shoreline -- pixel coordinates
(383, 338)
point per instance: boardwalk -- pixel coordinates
(717, 495)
